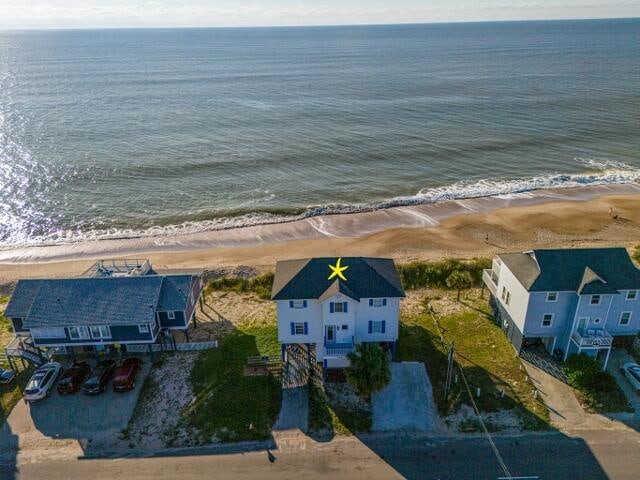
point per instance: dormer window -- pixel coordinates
(595, 300)
(552, 296)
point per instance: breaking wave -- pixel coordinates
(596, 173)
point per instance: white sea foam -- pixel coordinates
(597, 173)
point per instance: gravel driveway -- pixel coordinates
(407, 402)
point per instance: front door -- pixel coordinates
(331, 333)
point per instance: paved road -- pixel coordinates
(598, 455)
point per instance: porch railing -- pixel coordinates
(338, 349)
(490, 279)
(592, 337)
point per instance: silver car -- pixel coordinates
(631, 370)
(42, 381)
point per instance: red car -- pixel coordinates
(124, 379)
(73, 377)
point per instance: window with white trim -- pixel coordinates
(48, 332)
(100, 331)
(338, 307)
(625, 318)
(143, 328)
(547, 319)
(552, 296)
(504, 292)
(376, 327)
(595, 300)
(298, 328)
(78, 333)
(632, 294)
(297, 303)
(171, 315)
(378, 302)
(508, 299)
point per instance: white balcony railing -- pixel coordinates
(592, 337)
(338, 349)
(490, 279)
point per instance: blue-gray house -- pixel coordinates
(574, 300)
(121, 302)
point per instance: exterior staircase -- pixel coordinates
(19, 348)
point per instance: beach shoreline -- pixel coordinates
(457, 228)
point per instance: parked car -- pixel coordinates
(97, 381)
(73, 378)
(631, 371)
(42, 381)
(6, 376)
(124, 379)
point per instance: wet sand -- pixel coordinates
(459, 228)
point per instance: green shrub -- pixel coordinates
(435, 274)
(260, 285)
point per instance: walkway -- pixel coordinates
(294, 412)
(407, 402)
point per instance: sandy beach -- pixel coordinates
(463, 228)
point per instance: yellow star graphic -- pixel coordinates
(336, 270)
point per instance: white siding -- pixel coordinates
(519, 300)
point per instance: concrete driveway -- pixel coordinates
(79, 418)
(617, 358)
(407, 402)
(294, 412)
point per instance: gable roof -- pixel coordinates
(582, 270)
(309, 278)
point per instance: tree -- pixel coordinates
(370, 369)
(459, 279)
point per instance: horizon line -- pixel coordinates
(222, 27)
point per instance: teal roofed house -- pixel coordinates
(115, 302)
(574, 300)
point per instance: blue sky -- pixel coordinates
(130, 13)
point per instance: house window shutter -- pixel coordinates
(370, 326)
(306, 328)
(384, 302)
(293, 329)
(290, 303)
(331, 307)
(345, 307)
(371, 302)
(383, 327)
(304, 303)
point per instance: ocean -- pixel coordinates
(108, 134)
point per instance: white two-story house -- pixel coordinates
(331, 304)
(572, 300)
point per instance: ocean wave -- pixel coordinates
(597, 172)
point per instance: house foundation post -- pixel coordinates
(150, 347)
(186, 334)
(606, 360)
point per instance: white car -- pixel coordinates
(42, 381)
(631, 370)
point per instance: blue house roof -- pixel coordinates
(97, 301)
(174, 292)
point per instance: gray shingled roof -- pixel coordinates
(22, 298)
(95, 301)
(308, 278)
(544, 270)
(173, 295)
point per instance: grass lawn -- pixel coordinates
(228, 405)
(9, 394)
(482, 350)
(328, 416)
